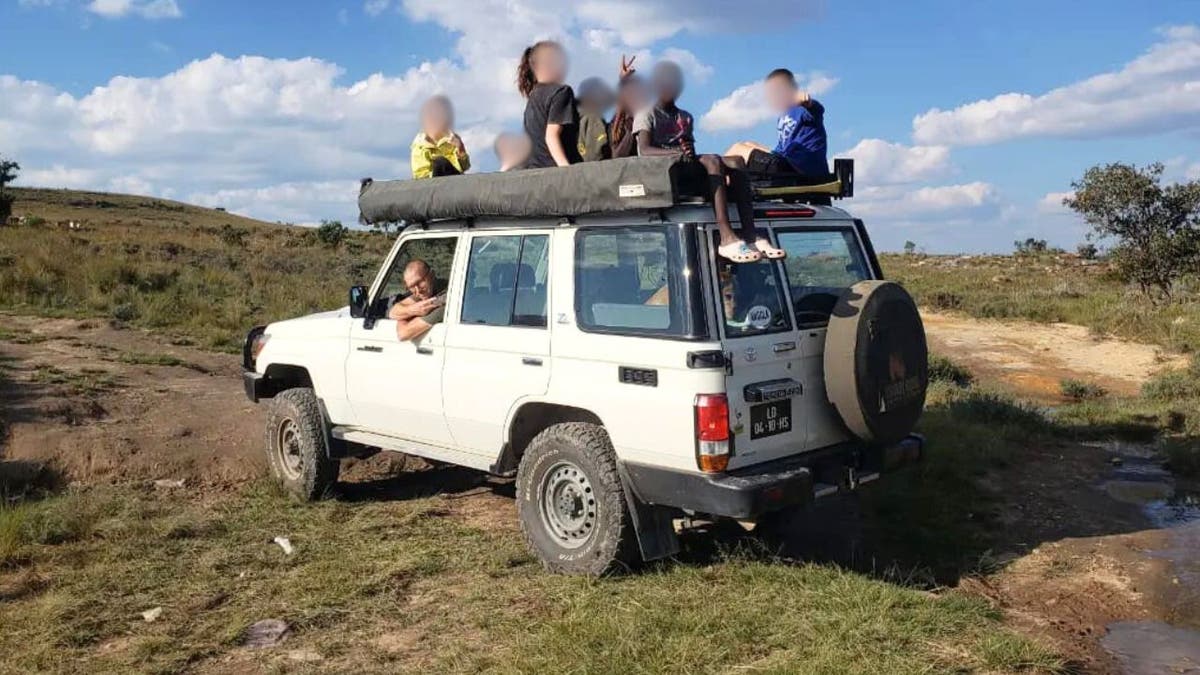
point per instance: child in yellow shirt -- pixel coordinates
(437, 150)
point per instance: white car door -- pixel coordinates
(498, 347)
(395, 387)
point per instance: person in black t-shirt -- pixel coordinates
(551, 118)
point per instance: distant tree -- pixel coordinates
(1087, 250)
(1030, 246)
(331, 232)
(1156, 228)
(910, 247)
(8, 173)
(386, 227)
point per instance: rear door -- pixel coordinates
(824, 258)
(498, 351)
(764, 381)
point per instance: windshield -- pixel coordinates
(820, 264)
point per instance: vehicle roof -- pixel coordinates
(684, 213)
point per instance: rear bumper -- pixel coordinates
(750, 492)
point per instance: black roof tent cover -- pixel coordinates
(591, 187)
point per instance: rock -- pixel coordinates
(267, 633)
(151, 615)
(1001, 279)
(1179, 321)
(168, 484)
(285, 544)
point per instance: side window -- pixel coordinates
(752, 298)
(436, 252)
(820, 264)
(506, 281)
(623, 281)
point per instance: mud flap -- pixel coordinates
(653, 525)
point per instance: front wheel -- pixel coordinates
(296, 449)
(571, 504)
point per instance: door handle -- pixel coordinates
(530, 361)
(424, 351)
(370, 348)
(781, 347)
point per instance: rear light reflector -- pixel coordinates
(712, 432)
(790, 213)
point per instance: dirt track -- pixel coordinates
(98, 405)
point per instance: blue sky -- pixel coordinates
(968, 120)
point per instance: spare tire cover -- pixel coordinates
(876, 361)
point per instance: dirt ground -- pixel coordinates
(1033, 359)
(98, 404)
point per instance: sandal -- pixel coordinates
(768, 250)
(739, 252)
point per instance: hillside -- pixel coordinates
(204, 276)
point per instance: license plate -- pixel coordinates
(769, 419)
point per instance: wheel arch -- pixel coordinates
(278, 377)
(528, 420)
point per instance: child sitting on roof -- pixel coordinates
(802, 142)
(512, 149)
(437, 150)
(551, 118)
(665, 128)
(632, 97)
(595, 98)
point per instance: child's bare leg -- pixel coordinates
(744, 148)
(716, 182)
(743, 197)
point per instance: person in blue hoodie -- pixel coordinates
(802, 142)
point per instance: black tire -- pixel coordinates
(296, 450)
(576, 462)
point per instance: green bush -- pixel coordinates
(942, 369)
(331, 232)
(1078, 390)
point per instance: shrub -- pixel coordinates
(8, 173)
(331, 232)
(1078, 390)
(35, 221)
(1030, 246)
(1175, 385)
(942, 369)
(1156, 228)
(1087, 251)
(910, 247)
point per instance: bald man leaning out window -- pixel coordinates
(425, 305)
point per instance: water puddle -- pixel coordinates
(1143, 647)
(1151, 647)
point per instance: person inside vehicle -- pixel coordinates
(425, 305)
(437, 150)
(595, 98)
(551, 116)
(667, 129)
(802, 144)
(632, 97)
(512, 149)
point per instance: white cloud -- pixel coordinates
(1156, 92)
(745, 107)
(1052, 203)
(147, 9)
(376, 7)
(879, 162)
(1192, 172)
(899, 202)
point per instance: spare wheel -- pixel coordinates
(876, 361)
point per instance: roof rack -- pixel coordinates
(634, 183)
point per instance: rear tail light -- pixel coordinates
(712, 432)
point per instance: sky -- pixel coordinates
(967, 121)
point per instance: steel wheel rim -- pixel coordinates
(568, 505)
(288, 448)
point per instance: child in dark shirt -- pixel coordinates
(551, 118)
(666, 128)
(595, 98)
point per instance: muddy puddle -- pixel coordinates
(1149, 647)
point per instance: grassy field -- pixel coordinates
(1049, 288)
(201, 274)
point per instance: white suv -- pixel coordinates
(622, 372)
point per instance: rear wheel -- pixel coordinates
(295, 442)
(571, 504)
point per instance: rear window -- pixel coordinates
(629, 280)
(820, 264)
(752, 299)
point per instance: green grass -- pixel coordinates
(167, 360)
(1049, 288)
(88, 381)
(196, 273)
(1078, 390)
(464, 598)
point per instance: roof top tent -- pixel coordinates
(593, 187)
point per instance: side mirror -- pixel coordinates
(358, 301)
